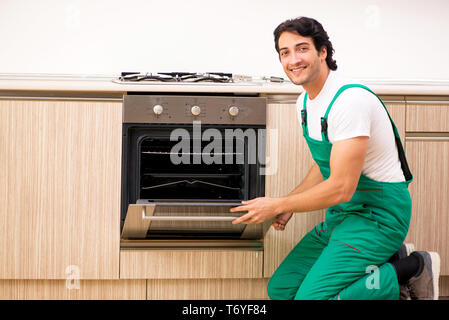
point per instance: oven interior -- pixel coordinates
(160, 178)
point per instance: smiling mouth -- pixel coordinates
(297, 70)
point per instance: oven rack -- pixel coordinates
(191, 175)
(189, 182)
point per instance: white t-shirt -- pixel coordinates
(356, 112)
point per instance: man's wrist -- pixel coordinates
(282, 207)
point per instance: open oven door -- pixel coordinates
(188, 223)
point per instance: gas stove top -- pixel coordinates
(192, 77)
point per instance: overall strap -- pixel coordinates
(324, 119)
(405, 168)
(305, 130)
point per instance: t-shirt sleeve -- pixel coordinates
(350, 115)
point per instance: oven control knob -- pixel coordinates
(233, 111)
(157, 109)
(195, 110)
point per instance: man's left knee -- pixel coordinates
(314, 293)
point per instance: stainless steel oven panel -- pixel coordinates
(256, 245)
(178, 109)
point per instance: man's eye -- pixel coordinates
(303, 49)
(284, 53)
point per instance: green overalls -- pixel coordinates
(345, 256)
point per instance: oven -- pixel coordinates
(188, 159)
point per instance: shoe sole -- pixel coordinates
(435, 258)
(409, 247)
(405, 250)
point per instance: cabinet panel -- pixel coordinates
(60, 172)
(290, 162)
(207, 289)
(444, 286)
(190, 264)
(83, 290)
(429, 227)
(397, 113)
(427, 117)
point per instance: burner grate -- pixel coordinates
(219, 77)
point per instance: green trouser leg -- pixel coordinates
(285, 281)
(346, 261)
(379, 284)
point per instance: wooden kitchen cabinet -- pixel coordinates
(190, 264)
(207, 289)
(81, 290)
(396, 108)
(428, 155)
(429, 226)
(291, 157)
(60, 178)
(428, 114)
(289, 160)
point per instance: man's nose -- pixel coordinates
(295, 58)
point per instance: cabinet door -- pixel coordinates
(428, 116)
(60, 172)
(397, 113)
(428, 155)
(429, 227)
(207, 289)
(73, 290)
(289, 160)
(190, 264)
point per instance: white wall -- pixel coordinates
(381, 39)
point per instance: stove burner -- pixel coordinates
(177, 77)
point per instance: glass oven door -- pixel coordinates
(186, 221)
(192, 170)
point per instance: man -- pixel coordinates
(360, 175)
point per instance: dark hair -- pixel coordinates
(308, 27)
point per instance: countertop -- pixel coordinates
(106, 84)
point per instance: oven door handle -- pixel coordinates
(139, 217)
(186, 218)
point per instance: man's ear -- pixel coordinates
(323, 52)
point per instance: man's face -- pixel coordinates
(299, 57)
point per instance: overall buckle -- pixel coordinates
(304, 117)
(324, 126)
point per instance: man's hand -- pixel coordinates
(259, 210)
(281, 220)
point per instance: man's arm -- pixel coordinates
(346, 163)
(312, 178)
